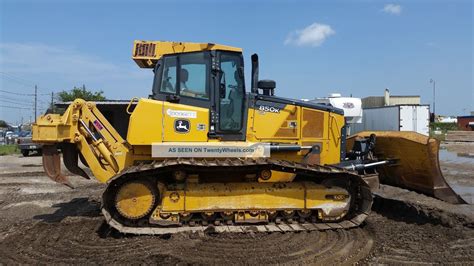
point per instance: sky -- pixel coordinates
(310, 48)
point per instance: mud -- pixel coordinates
(43, 222)
(457, 165)
(82, 240)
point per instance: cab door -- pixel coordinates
(229, 112)
(186, 77)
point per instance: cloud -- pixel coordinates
(313, 35)
(392, 9)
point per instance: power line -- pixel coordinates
(16, 93)
(17, 78)
(18, 82)
(21, 81)
(13, 102)
(22, 101)
(38, 104)
(13, 98)
(43, 101)
(24, 94)
(14, 107)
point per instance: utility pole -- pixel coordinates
(52, 102)
(434, 95)
(36, 100)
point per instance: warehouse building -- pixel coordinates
(466, 123)
(388, 100)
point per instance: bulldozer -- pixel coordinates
(201, 152)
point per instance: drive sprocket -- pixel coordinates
(135, 199)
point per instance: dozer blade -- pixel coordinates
(52, 165)
(70, 159)
(416, 164)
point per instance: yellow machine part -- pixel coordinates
(160, 128)
(134, 200)
(416, 162)
(298, 125)
(292, 125)
(147, 53)
(218, 197)
(276, 176)
(83, 125)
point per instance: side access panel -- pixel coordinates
(185, 123)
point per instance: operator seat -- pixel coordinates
(183, 78)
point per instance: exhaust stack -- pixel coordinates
(255, 73)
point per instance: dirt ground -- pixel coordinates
(44, 222)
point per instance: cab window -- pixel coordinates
(168, 81)
(193, 75)
(231, 93)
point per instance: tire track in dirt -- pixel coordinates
(396, 232)
(85, 240)
(411, 228)
(74, 232)
(403, 228)
(414, 242)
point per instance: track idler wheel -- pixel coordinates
(135, 199)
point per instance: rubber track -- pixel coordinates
(363, 201)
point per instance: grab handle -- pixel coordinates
(130, 104)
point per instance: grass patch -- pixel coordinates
(440, 137)
(9, 149)
(443, 127)
(439, 130)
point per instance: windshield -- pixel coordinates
(186, 75)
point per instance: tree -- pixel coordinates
(3, 123)
(68, 96)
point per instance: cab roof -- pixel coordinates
(147, 53)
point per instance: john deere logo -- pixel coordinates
(181, 125)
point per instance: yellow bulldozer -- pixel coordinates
(200, 152)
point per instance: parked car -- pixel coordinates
(2, 137)
(10, 137)
(26, 145)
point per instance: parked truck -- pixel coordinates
(26, 145)
(396, 118)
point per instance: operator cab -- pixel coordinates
(211, 76)
(209, 79)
